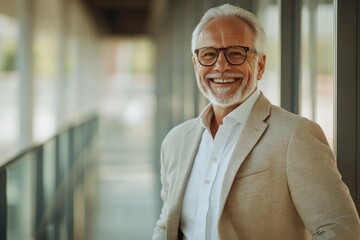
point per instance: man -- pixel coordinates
(246, 169)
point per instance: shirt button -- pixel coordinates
(215, 159)
(207, 181)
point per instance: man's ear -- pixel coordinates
(194, 62)
(261, 67)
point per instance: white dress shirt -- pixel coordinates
(200, 212)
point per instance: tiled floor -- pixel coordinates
(125, 196)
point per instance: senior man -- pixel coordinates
(246, 169)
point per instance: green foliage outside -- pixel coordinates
(8, 61)
(144, 56)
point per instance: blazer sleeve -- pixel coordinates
(321, 198)
(160, 228)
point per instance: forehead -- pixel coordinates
(226, 31)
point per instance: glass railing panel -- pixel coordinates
(49, 172)
(42, 190)
(63, 155)
(21, 189)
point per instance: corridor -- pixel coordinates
(125, 197)
(90, 88)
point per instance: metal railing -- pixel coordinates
(43, 190)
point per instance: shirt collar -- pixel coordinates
(206, 116)
(242, 112)
(239, 114)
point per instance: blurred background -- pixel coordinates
(89, 88)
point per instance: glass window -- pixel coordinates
(82, 64)
(317, 97)
(45, 50)
(268, 13)
(9, 80)
(71, 63)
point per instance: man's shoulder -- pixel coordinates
(280, 113)
(184, 127)
(291, 121)
(275, 115)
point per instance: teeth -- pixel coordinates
(227, 80)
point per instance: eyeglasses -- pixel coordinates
(235, 55)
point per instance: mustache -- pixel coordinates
(225, 75)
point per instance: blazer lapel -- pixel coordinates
(253, 130)
(187, 153)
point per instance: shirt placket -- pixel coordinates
(217, 147)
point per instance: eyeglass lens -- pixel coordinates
(234, 55)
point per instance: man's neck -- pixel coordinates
(219, 114)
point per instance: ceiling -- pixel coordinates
(126, 17)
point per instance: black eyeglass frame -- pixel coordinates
(218, 50)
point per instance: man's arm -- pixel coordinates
(321, 198)
(160, 228)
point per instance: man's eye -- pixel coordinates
(208, 55)
(235, 54)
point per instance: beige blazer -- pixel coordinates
(282, 182)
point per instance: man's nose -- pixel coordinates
(222, 64)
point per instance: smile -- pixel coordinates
(224, 80)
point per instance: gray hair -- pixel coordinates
(228, 10)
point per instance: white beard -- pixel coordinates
(223, 100)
